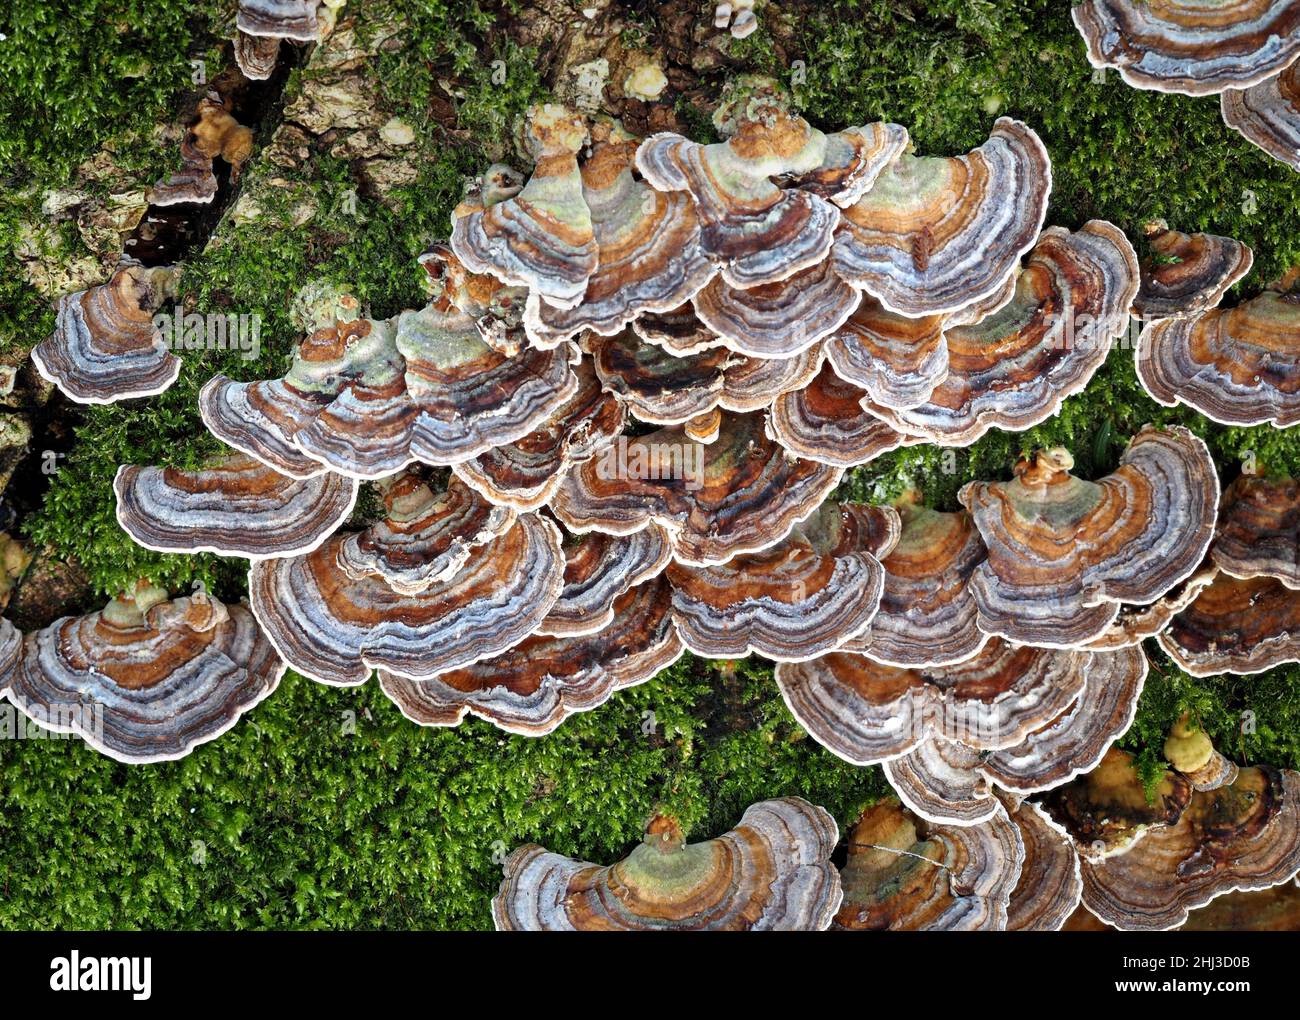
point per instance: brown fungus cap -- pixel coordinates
(754, 230)
(1109, 810)
(1012, 369)
(853, 160)
(905, 874)
(1259, 530)
(1245, 835)
(771, 873)
(936, 235)
(866, 712)
(1237, 366)
(146, 679)
(280, 19)
(1064, 553)
(525, 474)
(1050, 885)
(105, 346)
(648, 244)
(598, 571)
(739, 494)
(897, 360)
(335, 628)
(1236, 626)
(803, 597)
(927, 612)
(1268, 115)
(777, 320)
(215, 133)
(1187, 274)
(426, 535)
(236, 506)
(1194, 48)
(542, 238)
(826, 421)
(540, 682)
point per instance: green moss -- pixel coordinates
(302, 824)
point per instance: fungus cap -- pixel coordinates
(935, 234)
(1187, 274)
(237, 506)
(146, 679)
(1064, 553)
(771, 873)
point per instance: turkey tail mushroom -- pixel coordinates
(1237, 366)
(1064, 553)
(1187, 274)
(739, 494)
(540, 682)
(1268, 115)
(236, 506)
(935, 235)
(1258, 534)
(336, 628)
(905, 874)
(771, 873)
(1012, 369)
(1193, 48)
(1236, 626)
(106, 346)
(146, 679)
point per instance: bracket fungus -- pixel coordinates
(781, 319)
(105, 346)
(146, 679)
(470, 397)
(534, 686)
(803, 597)
(236, 506)
(598, 571)
(927, 612)
(1050, 885)
(1187, 274)
(215, 133)
(1160, 861)
(937, 729)
(679, 331)
(757, 232)
(367, 432)
(905, 874)
(934, 234)
(1012, 369)
(739, 494)
(1065, 553)
(335, 628)
(543, 238)
(11, 649)
(525, 474)
(1236, 626)
(262, 24)
(648, 248)
(770, 873)
(1108, 810)
(425, 537)
(665, 389)
(1268, 115)
(1258, 533)
(1194, 48)
(826, 422)
(1237, 366)
(897, 360)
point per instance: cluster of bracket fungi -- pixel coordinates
(1244, 51)
(613, 435)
